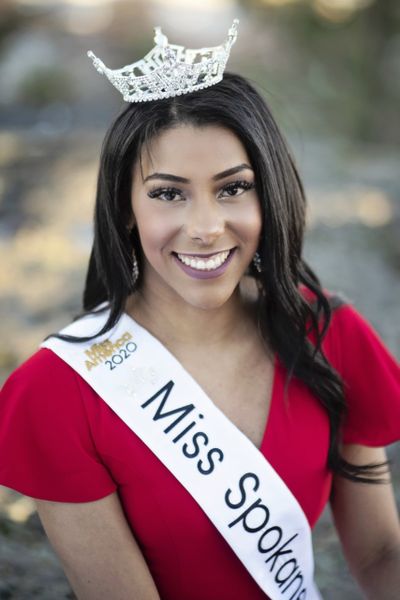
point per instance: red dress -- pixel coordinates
(59, 441)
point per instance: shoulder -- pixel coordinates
(38, 364)
(42, 371)
(344, 315)
(371, 377)
(45, 370)
(350, 335)
(47, 448)
(44, 386)
(357, 336)
(369, 371)
(335, 299)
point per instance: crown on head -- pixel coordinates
(169, 70)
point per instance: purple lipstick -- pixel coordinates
(205, 274)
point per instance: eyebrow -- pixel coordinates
(217, 177)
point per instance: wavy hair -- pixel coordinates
(286, 318)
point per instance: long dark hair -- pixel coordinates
(285, 316)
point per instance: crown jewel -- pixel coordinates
(169, 70)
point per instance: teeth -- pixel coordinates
(204, 264)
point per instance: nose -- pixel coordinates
(205, 221)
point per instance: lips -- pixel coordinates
(204, 266)
(194, 255)
(203, 262)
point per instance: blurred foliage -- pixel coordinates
(10, 22)
(350, 64)
(335, 61)
(45, 85)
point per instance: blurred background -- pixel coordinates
(330, 71)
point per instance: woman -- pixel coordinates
(198, 252)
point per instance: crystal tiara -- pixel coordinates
(169, 70)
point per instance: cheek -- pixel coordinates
(155, 231)
(249, 218)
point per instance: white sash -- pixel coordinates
(219, 466)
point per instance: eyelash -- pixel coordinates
(244, 185)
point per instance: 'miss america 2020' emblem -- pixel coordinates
(110, 353)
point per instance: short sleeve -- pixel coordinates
(371, 376)
(46, 446)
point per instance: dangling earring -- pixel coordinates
(135, 264)
(257, 262)
(135, 267)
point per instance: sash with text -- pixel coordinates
(219, 466)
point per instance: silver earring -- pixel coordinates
(135, 267)
(257, 262)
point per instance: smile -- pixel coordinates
(206, 263)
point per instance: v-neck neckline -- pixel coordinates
(272, 402)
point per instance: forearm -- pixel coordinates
(381, 579)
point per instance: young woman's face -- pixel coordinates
(197, 213)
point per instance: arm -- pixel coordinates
(366, 519)
(97, 549)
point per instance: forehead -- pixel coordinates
(188, 150)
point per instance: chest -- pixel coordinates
(163, 514)
(241, 389)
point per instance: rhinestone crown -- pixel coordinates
(169, 70)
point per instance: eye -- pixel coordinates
(232, 188)
(167, 194)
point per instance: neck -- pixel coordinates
(182, 324)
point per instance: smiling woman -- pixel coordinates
(209, 229)
(213, 396)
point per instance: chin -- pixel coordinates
(206, 306)
(210, 301)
